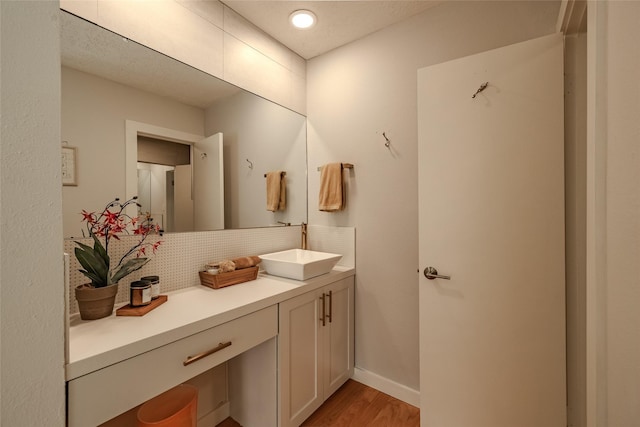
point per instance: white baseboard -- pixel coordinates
(215, 417)
(385, 385)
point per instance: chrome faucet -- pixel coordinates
(304, 235)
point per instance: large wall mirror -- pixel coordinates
(146, 124)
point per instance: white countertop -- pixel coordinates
(96, 344)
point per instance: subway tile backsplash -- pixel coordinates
(182, 255)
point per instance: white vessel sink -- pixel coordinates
(298, 264)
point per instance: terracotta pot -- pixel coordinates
(95, 303)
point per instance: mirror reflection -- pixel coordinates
(163, 172)
(194, 148)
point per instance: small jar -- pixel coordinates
(155, 285)
(139, 293)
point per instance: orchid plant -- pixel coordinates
(109, 224)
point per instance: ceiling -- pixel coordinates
(94, 50)
(339, 22)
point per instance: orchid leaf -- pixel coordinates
(95, 280)
(94, 265)
(90, 260)
(129, 267)
(100, 250)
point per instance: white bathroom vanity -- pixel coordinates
(291, 343)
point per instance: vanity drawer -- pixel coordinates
(101, 395)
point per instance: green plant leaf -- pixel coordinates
(96, 273)
(95, 280)
(100, 250)
(89, 260)
(129, 267)
(94, 265)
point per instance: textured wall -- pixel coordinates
(31, 273)
(623, 214)
(209, 36)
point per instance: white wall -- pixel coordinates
(31, 275)
(209, 36)
(354, 94)
(272, 138)
(94, 111)
(614, 215)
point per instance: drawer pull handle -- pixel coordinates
(202, 355)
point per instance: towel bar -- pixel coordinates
(344, 166)
(281, 174)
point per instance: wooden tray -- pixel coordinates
(127, 310)
(220, 280)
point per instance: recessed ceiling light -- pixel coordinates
(302, 19)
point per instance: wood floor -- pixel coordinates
(355, 405)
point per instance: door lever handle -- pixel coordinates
(431, 273)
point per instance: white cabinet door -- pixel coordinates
(315, 349)
(299, 364)
(338, 335)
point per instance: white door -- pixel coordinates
(491, 190)
(208, 184)
(182, 199)
(170, 179)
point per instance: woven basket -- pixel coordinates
(220, 280)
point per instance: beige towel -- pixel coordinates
(235, 263)
(276, 191)
(332, 196)
(246, 262)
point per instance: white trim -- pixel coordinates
(562, 16)
(387, 386)
(596, 305)
(571, 15)
(132, 130)
(216, 416)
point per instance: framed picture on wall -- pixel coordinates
(69, 169)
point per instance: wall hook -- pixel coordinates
(483, 86)
(250, 163)
(388, 143)
(203, 156)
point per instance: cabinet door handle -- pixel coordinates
(323, 317)
(330, 306)
(204, 354)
